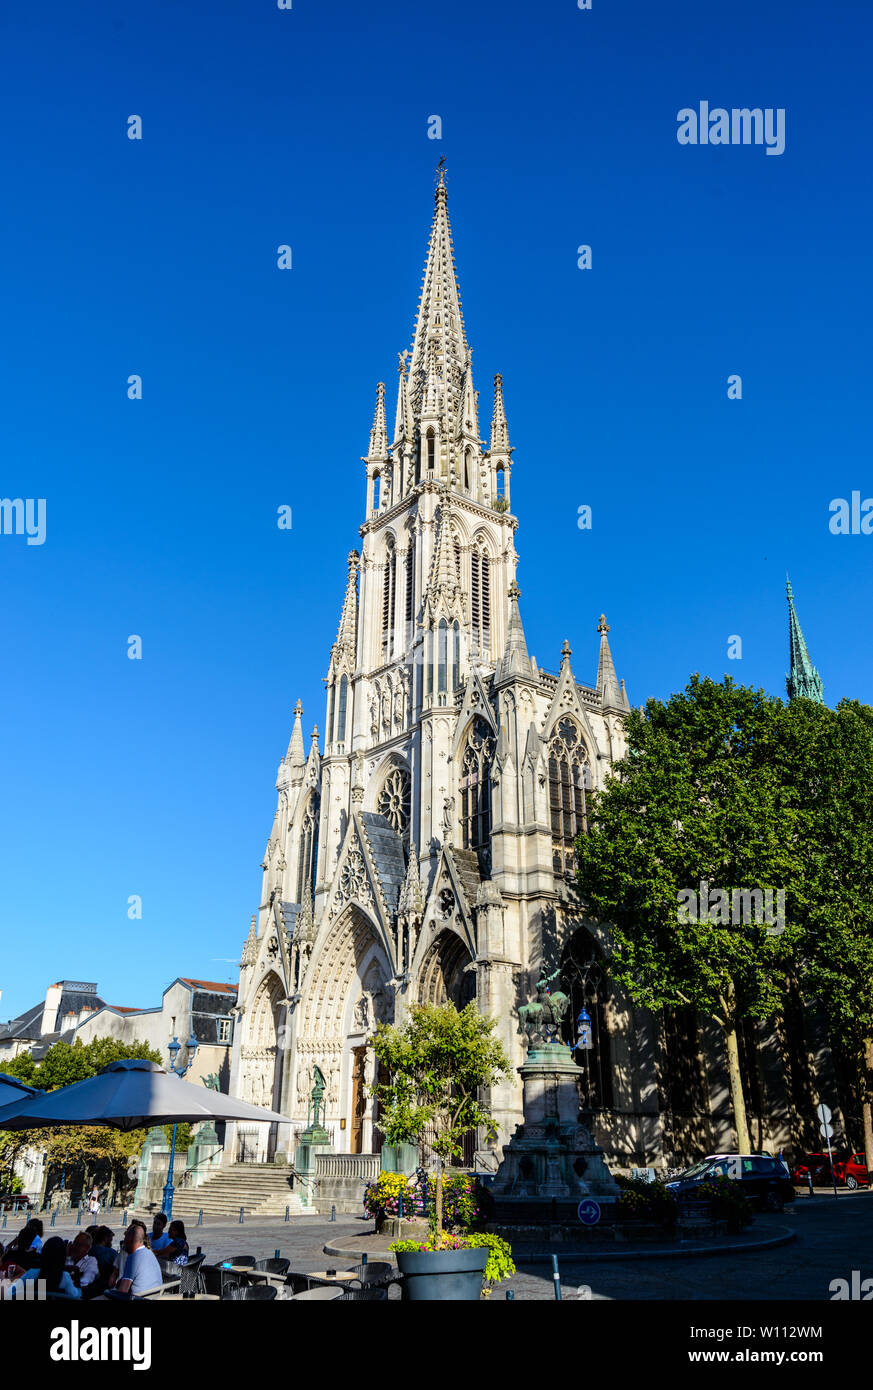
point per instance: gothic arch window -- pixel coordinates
(331, 698)
(395, 800)
(475, 788)
(569, 779)
(456, 655)
(389, 594)
(377, 490)
(342, 709)
(308, 854)
(409, 613)
(480, 598)
(468, 468)
(431, 451)
(442, 658)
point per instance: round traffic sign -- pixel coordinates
(826, 1131)
(588, 1212)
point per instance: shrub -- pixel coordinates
(646, 1200)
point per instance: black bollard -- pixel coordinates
(241, 1210)
(200, 1217)
(333, 1213)
(809, 1180)
(556, 1275)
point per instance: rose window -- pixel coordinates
(395, 800)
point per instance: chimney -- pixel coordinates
(50, 1009)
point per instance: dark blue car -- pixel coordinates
(764, 1180)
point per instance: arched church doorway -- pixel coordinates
(348, 995)
(584, 979)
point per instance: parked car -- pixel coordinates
(852, 1170)
(764, 1179)
(820, 1167)
(20, 1202)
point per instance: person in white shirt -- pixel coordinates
(79, 1258)
(137, 1271)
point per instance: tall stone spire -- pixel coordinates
(440, 322)
(296, 755)
(404, 426)
(803, 682)
(515, 660)
(347, 636)
(499, 428)
(379, 434)
(607, 681)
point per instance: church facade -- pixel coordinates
(425, 852)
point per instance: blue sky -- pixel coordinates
(309, 127)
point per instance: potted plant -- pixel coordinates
(437, 1061)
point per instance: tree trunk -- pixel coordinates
(867, 1106)
(111, 1193)
(735, 1081)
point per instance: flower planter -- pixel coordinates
(433, 1275)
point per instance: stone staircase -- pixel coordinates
(263, 1189)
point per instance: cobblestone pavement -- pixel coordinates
(834, 1237)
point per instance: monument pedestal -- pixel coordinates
(551, 1156)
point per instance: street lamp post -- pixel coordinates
(178, 1069)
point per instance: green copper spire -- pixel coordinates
(804, 681)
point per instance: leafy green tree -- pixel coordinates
(437, 1061)
(829, 757)
(697, 800)
(67, 1146)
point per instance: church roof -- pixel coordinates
(386, 847)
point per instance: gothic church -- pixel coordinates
(426, 853)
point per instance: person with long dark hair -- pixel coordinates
(51, 1270)
(23, 1251)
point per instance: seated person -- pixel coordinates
(160, 1240)
(101, 1248)
(57, 1280)
(137, 1271)
(176, 1249)
(80, 1262)
(20, 1253)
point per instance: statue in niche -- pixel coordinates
(362, 1014)
(398, 705)
(448, 818)
(374, 716)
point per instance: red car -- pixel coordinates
(820, 1167)
(852, 1170)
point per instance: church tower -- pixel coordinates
(427, 853)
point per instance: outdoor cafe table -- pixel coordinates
(339, 1276)
(268, 1276)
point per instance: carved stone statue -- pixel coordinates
(362, 1014)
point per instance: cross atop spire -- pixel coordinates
(803, 681)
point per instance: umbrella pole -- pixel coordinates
(168, 1185)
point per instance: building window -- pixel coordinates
(456, 655)
(442, 656)
(330, 703)
(308, 849)
(389, 588)
(395, 800)
(475, 787)
(480, 600)
(341, 711)
(431, 451)
(410, 584)
(224, 1030)
(569, 778)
